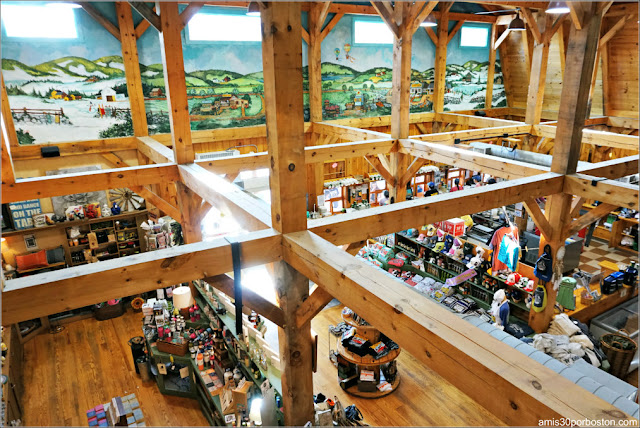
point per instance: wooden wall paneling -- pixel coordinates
(623, 70)
(132, 69)
(175, 81)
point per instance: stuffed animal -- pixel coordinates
(115, 209)
(458, 254)
(454, 247)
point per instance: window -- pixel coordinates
(224, 28)
(474, 37)
(371, 32)
(48, 21)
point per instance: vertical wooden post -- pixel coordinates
(562, 47)
(538, 75)
(605, 79)
(440, 71)
(401, 88)
(175, 82)
(488, 99)
(132, 69)
(7, 117)
(282, 67)
(581, 52)
(8, 174)
(315, 176)
(189, 205)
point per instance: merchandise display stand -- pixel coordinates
(368, 362)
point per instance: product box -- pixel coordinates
(93, 240)
(454, 226)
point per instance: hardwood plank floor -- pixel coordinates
(423, 398)
(87, 364)
(90, 362)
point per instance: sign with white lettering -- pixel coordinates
(22, 212)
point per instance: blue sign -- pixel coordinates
(22, 212)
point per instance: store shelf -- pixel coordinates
(367, 360)
(73, 223)
(229, 322)
(215, 399)
(376, 394)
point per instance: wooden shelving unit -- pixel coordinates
(367, 362)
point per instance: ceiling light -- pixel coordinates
(517, 24)
(429, 22)
(253, 9)
(558, 8)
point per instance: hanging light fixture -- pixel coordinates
(517, 24)
(557, 8)
(253, 9)
(429, 22)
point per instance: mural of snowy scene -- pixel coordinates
(76, 90)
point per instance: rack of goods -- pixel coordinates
(366, 359)
(423, 258)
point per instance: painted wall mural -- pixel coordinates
(66, 91)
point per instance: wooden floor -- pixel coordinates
(90, 362)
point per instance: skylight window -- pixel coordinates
(224, 28)
(48, 21)
(474, 37)
(371, 32)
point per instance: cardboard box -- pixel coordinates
(454, 226)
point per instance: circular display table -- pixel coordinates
(367, 362)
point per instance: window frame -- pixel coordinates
(363, 18)
(486, 27)
(218, 11)
(57, 40)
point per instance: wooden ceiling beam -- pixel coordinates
(155, 150)
(339, 151)
(38, 295)
(190, 11)
(143, 26)
(612, 169)
(588, 218)
(330, 26)
(423, 14)
(468, 159)
(464, 355)
(377, 164)
(147, 13)
(91, 181)
(377, 221)
(538, 217)
(252, 211)
(317, 300)
(607, 191)
(387, 16)
(7, 119)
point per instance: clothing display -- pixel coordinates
(509, 252)
(496, 243)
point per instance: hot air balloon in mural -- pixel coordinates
(337, 52)
(347, 49)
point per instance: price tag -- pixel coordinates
(229, 419)
(184, 372)
(162, 369)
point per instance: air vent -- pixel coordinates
(217, 155)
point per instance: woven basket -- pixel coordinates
(613, 345)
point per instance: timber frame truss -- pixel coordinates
(524, 391)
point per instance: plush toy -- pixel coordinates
(474, 263)
(92, 211)
(454, 247)
(458, 254)
(480, 252)
(422, 237)
(448, 243)
(115, 209)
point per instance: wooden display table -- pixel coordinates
(585, 313)
(368, 362)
